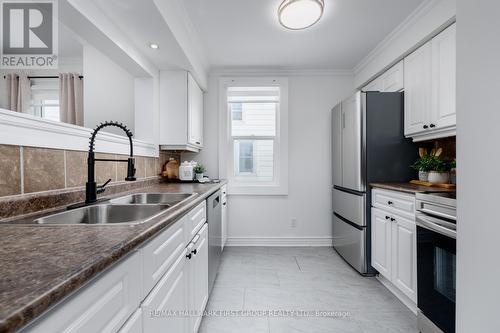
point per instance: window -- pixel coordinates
(256, 123)
(245, 163)
(236, 111)
(45, 98)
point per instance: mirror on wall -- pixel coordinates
(86, 88)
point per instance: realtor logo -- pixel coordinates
(29, 34)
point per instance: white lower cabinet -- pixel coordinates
(198, 278)
(161, 288)
(404, 263)
(102, 306)
(224, 221)
(394, 250)
(164, 308)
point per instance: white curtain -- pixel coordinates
(18, 92)
(71, 98)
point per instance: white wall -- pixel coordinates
(426, 21)
(478, 118)
(108, 91)
(309, 200)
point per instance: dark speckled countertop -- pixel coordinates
(410, 188)
(40, 265)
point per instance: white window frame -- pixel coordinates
(279, 186)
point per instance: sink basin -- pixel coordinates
(169, 199)
(105, 214)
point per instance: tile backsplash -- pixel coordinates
(26, 170)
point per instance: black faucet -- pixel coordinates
(91, 188)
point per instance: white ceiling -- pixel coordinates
(246, 33)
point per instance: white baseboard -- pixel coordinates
(279, 241)
(402, 297)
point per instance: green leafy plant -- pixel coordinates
(439, 164)
(199, 168)
(424, 163)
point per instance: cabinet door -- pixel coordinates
(417, 84)
(224, 222)
(198, 286)
(195, 113)
(163, 309)
(444, 79)
(392, 79)
(381, 242)
(404, 268)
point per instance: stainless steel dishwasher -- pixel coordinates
(214, 236)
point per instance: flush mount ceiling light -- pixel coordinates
(300, 14)
(154, 46)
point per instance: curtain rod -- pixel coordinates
(44, 77)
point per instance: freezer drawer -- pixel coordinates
(350, 206)
(350, 243)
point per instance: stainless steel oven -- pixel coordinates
(436, 261)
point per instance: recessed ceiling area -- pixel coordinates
(243, 33)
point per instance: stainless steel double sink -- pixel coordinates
(131, 209)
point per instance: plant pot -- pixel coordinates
(439, 177)
(199, 176)
(423, 176)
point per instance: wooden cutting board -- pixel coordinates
(419, 182)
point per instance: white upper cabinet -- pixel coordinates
(181, 112)
(390, 81)
(444, 78)
(417, 82)
(195, 113)
(430, 88)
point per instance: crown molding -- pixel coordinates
(263, 71)
(424, 8)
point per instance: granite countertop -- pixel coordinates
(40, 265)
(410, 188)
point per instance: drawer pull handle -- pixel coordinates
(195, 251)
(390, 202)
(393, 219)
(188, 256)
(387, 217)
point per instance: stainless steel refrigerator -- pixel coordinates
(368, 146)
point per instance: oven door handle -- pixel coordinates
(426, 223)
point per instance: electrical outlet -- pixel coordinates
(293, 223)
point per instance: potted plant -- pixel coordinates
(440, 170)
(423, 166)
(199, 169)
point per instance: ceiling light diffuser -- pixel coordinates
(300, 14)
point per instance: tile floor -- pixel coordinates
(269, 278)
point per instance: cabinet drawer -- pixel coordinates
(163, 309)
(102, 306)
(160, 253)
(394, 202)
(195, 220)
